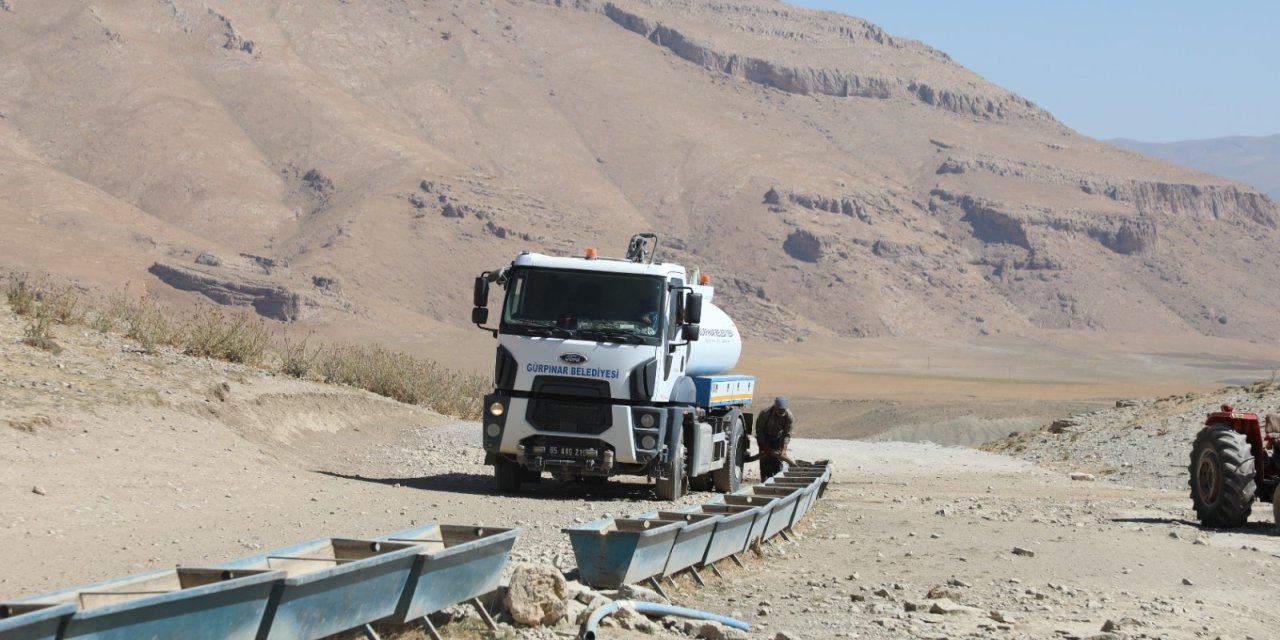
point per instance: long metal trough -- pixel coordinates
(690, 545)
(733, 531)
(612, 552)
(332, 585)
(33, 621)
(765, 504)
(454, 564)
(197, 603)
(784, 508)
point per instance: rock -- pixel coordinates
(786, 635)
(1122, 624)
(1023, 551)
(417, 201)
(1079, 475)
(39, 490)
(949, 607)
(536, 595)
(628, 618)
(639, 594)
(708, 630)
(1187, 582)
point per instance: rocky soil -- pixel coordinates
(114, 461)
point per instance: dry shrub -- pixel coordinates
(62, 305)
(295, 358)
(39, 333)
(21, 292)
(404, 378)
(209, 333)
(148, 323)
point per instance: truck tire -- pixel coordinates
(701, 483)
(671, 486)
(508, 475)
(1222, 477)
(728, 478)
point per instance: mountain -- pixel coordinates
(1252, 160)
(353, 165)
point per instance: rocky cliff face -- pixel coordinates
(834, 179)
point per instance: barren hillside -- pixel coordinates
(351, 165)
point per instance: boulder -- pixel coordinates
(536, 595)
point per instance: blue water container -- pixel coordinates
(612, 552)
(455, 564)
(199, 603)
(33, 621)
(332, 585)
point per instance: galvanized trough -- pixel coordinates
(454, 564)
(332, 585)
(808, 492)
(612, 552)
(733, 530)
(199, 603)
(764, 504)
(690, 545)
(33, 621)
(784, 508)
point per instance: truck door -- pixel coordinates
(673, 361)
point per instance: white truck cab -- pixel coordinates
(609, 366)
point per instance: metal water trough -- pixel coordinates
(784, 508)
(200, 603)
(733, 530)
(690, 545)
(765, 504)
(808, 492)
(33, 621)
(455, 563)
(333, 584)
(612, 552)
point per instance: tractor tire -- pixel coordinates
(728, 478)
(508, 476)
(1222, 477)
(1275, 509)
(671, 485)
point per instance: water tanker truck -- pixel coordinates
(612, 366)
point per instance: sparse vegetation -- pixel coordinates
(240, 337)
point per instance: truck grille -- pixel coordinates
(570, 405)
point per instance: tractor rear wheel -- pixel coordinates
(1222, 477)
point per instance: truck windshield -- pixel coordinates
(617, 307)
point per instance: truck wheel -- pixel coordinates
(1222, 477)
(671, 487)
(729, 477)
(700, 483)
(508, 476)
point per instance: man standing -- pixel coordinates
(773, 434)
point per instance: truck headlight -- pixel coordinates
(647, 420)
(493, 430)
(496, 409)
(648, 442)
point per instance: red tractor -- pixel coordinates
(1236, 458)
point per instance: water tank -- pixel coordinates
(719, 344)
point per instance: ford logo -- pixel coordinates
(572, 358)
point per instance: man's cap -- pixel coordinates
(780, 402)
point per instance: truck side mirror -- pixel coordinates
(479, 315)
(690, 332)
(482, 292)
(693, 308)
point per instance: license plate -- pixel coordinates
(576, 452)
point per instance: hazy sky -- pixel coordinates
(1156, 71)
